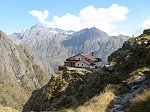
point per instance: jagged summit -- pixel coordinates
(54, 30)
(37, 26)
(88, 34)
(93, 32)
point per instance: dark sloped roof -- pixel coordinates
(87, 56)
(93, 58)
(86, 62)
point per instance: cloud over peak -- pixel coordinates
(102, 18)
(42, 16)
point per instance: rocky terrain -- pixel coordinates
(53, 46)
(20, 73)
(122, 85)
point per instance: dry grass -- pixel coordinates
(7, 109)
(99, 103)
(13, 96)
(146, 37)
(137, 73)
(141, 103)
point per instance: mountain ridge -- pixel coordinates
(53, 48)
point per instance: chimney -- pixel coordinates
(92, 53)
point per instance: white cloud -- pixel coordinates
(146, 24)
(42, 16)
(102, 18)
(66, 22)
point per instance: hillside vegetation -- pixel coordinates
(7, 109)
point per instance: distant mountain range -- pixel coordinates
(52, 46)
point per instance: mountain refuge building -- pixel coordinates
(82, 60)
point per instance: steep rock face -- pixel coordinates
(84, 36)
(52, 47)
(20, 73)
(86, 40)
(126, 75)
(48, 50)
(45, 45)
(113, 43)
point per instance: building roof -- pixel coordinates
(86, 62)
(71, 61)
(88, 56)
(93, 58)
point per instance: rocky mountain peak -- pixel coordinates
(92, 32)
(37, 26)
(85, 35)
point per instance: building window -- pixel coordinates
(82, 64)
(78, 64)
(79, 58)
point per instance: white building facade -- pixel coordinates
(83, 60)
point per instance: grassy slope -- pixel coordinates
(13, 95)
(7, 109)
(141, 103)
(99, 103)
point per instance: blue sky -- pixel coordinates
(113, 16)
